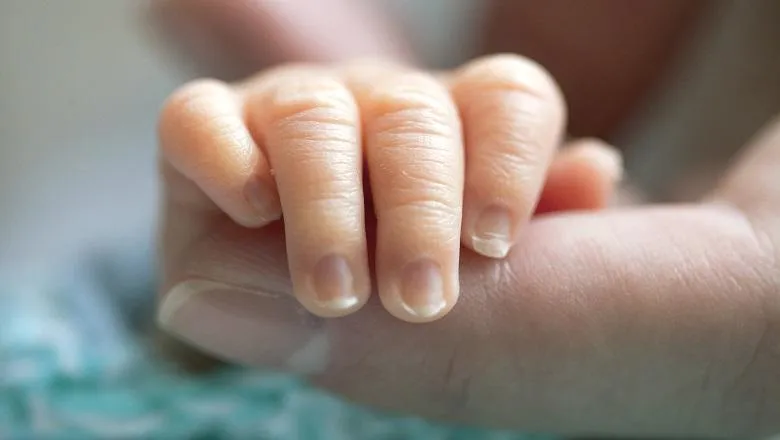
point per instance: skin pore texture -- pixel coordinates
(648, 320)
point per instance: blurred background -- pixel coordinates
(82, 82)
(81, 85)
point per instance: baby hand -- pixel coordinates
(440, 160)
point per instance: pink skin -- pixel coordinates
(590, 316)
(641, 321)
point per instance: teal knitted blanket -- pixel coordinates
(72, 366)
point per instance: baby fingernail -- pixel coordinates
(422, 289)
(334, 284)
(610, 161)
(492, 234)
(264, 200)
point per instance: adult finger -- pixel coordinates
(753, 182)
(638, 322)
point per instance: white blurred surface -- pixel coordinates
(79, 88)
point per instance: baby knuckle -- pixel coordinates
(337, 220)
(409, 91)
(420, 171)
(507, 72)
(423, 127)
(519, 144)
(191, 101)
(328, 174)
(413, 104)
(311, 100)
(423, 185)
(196, 115)
(339, 204)
(426, 207)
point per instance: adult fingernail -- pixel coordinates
(186, 306)
(230, 322)
(422, 289)
(177, 299)
(492, 233)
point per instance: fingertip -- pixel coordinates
(491, 234)
(507, 72)
(334, 308)
(262, 197)
(189, 103)
(418, 314)
(423, 291)
(605, 158)
(334, 288)
(584, 176)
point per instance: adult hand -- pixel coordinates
(650, 320)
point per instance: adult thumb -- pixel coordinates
(753, 183)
